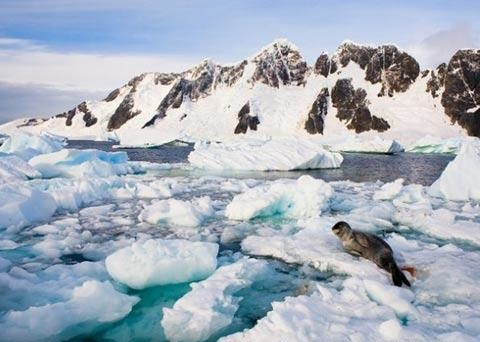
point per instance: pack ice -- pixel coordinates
(264, 155)
(27, 145)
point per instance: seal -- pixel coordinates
(370, 247)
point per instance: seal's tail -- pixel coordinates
(398, 277)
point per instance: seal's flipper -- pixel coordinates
(398, 277)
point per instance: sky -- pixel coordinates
(56, 53)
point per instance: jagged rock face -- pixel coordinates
(124, 111)
(32, 122)
(436, 80)
(387, 65)
(352, 107)
(165, 78)
(316, 117)
(461, 97)
(279, 64)
(229, 75)
(112, 96)
(395, 69)
(82, 108)
(245, 121)
(324, 65)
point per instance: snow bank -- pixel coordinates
(304, 197)
(13, 168)
(20, 205)
(211, 304)
(429, 144)
(459, 181)
(374, 145)
(81, 163)
(161, 262)
(91, 303)
(27, 145)
(275, 154)
(177, 212)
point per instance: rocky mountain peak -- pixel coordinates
(279, 63)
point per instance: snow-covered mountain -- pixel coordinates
(359, 89)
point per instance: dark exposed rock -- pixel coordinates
(436, 80)
(387, 65)
(245, 121)
(352, 107)
(395, 69)
(461, 97)
(32, 122)
(112, 96)
(278, 64)
(316, 117)
(165, 79)
(82, 108)
(324, 65)
(198, 83)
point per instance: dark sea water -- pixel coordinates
(358, 167)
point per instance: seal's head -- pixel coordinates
(341, 228)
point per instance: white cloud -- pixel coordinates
(24, 62)
(440, 46)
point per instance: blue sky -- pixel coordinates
(64, 49)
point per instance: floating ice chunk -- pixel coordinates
(304, 197)
(429, 144)
(276, 154)
(27, 145)
(161, 262)
(389, 190)
(459, 181)
(177, 212)
(20, 205)
(4, 264)
(362, 145)
(90, 304)
(13, 168)
(81, 163)
(8, 244)
(211, 304)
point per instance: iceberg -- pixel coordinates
(260, 155)
(304, 197)
(210, 305)
(459, 181)
(80, 163)
(162, 262)
(27, 145)
(362, 145)
(430, 144)
(176, 212)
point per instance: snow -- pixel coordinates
(177, 212)
(375, 145)
(459, 180)
(81, 163)
(27, 145)
(275, 154)
(92, 303)
(211, 304)
(14, 169)
(161, 262)
(304, 197)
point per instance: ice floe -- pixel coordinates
(80, 163)
(362, 145)
(459, 180)
(261, 155)
(210, 305)
(27, 145)
(161, 262)
(177, 212)
(304, 197)
(431, 144)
